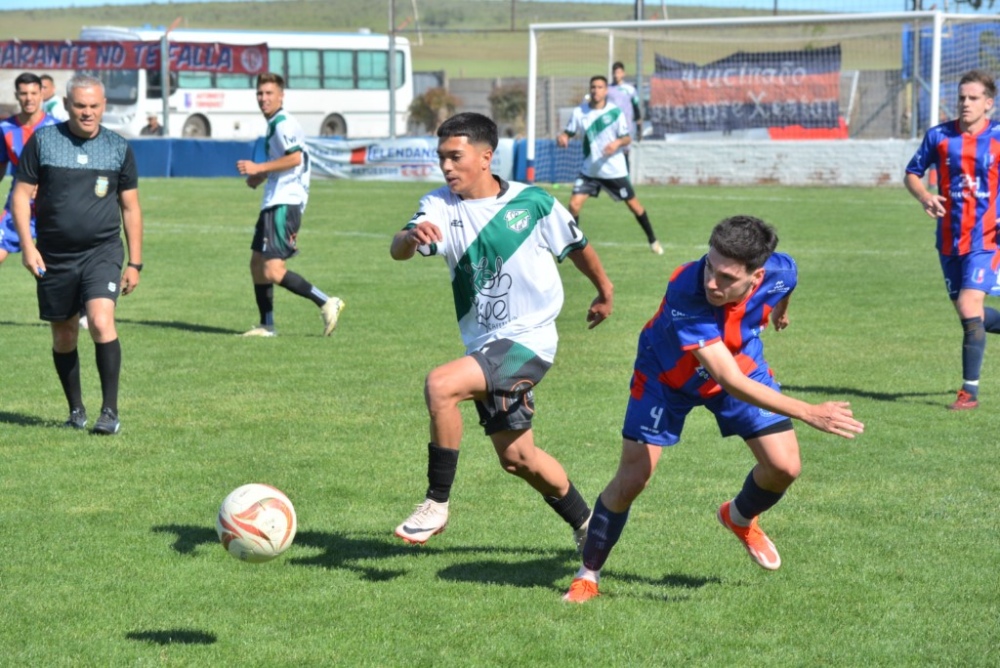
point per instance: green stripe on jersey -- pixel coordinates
(600, 124)
(497, 243)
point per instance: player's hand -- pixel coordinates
(934, 205)
(834, 417)
(247, 167)
(255, 180)
(130, 279)
(32, 261)
(424, 234)
(599, 311)
(779, 320)
(562, 140)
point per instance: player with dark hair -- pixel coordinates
(966, 152)
(605, 137)
(287, 173)
(15, 132)
(498, 239)
(624, 96)
(88, 190)
(52, 103)
(703, 348)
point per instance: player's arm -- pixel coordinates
(779, 315)
(285, 162)
(20, 209)
(933, 204)
(128, 200)
(589, 264)
(406, 241)
(563, 139)
(833, 417)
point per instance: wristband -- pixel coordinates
(137, 267)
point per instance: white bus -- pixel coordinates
(335, 84)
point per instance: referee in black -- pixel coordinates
(87, 191)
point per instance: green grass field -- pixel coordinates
(109, 556)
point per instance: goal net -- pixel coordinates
(847, 77)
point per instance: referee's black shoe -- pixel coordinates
(77, 419)
(107, 424)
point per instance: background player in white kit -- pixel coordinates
(498, 239)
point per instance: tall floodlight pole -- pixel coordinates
(392, 69)
(165, 75)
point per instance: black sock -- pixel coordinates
(303, 288)
(441, 466)
(264, 293)
(109, 365)
(973, 350)
(603, 533)
(991, 320)
(646, 227)
(68, 368)
(572, 508)
(753, 499)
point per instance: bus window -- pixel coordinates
(153, 91)
(338, 70)
(193, 79)
(303, 69)
(234, 81)
(373, 73)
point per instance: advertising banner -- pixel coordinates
(747, 90)
(132, 55)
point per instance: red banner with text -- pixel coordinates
(132, 55)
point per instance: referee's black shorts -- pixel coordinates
(72, 280)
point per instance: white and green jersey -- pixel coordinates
(600, 127)
(291, 187)
(501, 253)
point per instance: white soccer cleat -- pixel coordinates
(429, 519)
(331, 313)
(261, 330)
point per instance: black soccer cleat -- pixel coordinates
(107, 424)
(77, 419)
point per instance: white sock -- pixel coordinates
(587, 574)
(737, 519)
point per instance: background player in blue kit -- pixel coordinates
(966, 152)
(703, 348)
(15, 132)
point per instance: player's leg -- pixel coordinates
(519, 456)
(583, 187)
(977, 275)
(445, 387)
(284, 223)
(263, 289)
(641, 217)
(776, 449)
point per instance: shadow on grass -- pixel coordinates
(173, 637)
(183, 326)
(22, 420)
(351, 553)
(864, 394)
(36, 323)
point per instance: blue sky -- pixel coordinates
(785, 5)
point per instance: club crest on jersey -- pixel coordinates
(101, 186)
(517, 220)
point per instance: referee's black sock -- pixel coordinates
(109, 365)
(68, 368)
(264, 293)
(303, 288)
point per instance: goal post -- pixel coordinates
(756, 79)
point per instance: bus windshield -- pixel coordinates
(120, 86)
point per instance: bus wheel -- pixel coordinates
(334, 125)
(196, 127)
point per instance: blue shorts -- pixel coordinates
(9, 241)
(656, 413)
(972, 271)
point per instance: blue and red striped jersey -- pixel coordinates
(15, 136)
(686, 321)
(968, 178)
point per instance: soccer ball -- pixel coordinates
(256, 523)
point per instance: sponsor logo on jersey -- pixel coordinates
(765, 413)
(456, 223)
(517, 220)
(101, 186)
(779, 287)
